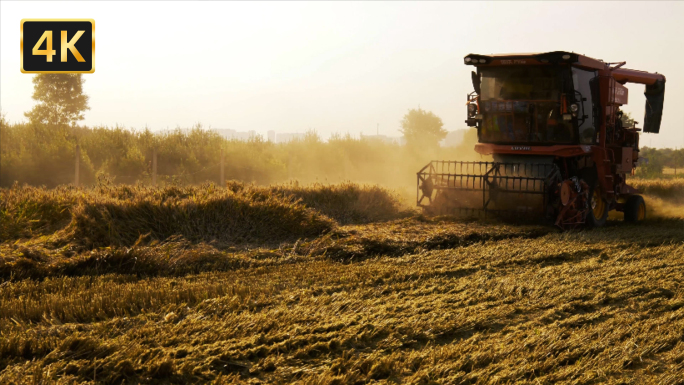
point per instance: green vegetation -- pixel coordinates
(60, 98)
(41, 154)
(44, 150)
(422, 129)
(661, 163)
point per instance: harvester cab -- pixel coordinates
(552, 124)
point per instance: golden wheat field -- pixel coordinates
(329, 284)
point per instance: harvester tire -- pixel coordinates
(598, 207)
(635, 209)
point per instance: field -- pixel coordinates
(329, 284)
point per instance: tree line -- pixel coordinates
(43, 151)
(661, 162)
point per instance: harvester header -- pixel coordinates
(553, 120)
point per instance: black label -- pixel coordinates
(58, 45)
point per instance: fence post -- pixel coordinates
(289, 166)
(223, 177)
(154, 167)
(77, 168)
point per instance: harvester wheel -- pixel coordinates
(635, 209)
(598, 207)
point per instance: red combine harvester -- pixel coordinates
(553, 125)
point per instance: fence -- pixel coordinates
(221, 165)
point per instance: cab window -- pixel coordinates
(584, 83)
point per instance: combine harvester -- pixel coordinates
(552, 123)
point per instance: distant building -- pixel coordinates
(271, 136)
(231, 134)
(288, 137)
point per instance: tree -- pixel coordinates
(60, 97)
(653, 163)
(422, 128)
(627, 120)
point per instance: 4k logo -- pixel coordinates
(58, 46)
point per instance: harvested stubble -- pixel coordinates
(176, 256)
(411, 300)
(597, 306)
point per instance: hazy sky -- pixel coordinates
(335, 66)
